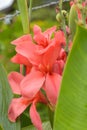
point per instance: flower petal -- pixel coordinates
(32, 83)
(51, 55)
(23, 39)
(60, 38)
(41, 98)
(28, 50)
(62, 55)
(19, 59)
(58, 67)
(14, 79)
(35, 118)
(17, 106)
(43, 39)
(40, 39)
(49, 32)
(53, 51)
(36, 29)
(52, 87)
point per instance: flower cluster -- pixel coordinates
(43, 58)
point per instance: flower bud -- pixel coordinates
(73, 17)
(58, 17)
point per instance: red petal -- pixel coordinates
(19, 59)
(15, 80)
(28, 50)
(52, 87)
(51, 55)
(35, 118)
(62, 55)
(60, 38)
(32, 83)
(40, 39)
(23, 39)
(43, 39)
(36, 29)
(49, 31)
(17, 106)
(58, 67)
(53, 50)
(41, 98)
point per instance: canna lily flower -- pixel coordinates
(42, 56)
(44, 59)
(18, 105)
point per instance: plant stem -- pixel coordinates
(63, 24)
(30, 11)
(62, 17)
(22, 4)
(60, 5)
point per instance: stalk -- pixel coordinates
(22, 4)
(63, 24)
(30, 11)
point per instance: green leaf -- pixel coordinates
(46, 126)
(5, 98)
(23, 7)
(24, 118)
(71, 109)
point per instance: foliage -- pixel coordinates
(5, 98)
(71, 108)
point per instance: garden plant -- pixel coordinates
(52, 77)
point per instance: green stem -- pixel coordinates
(62, 17)
(63, 23)
(30, 11)
(22, 4)
(60, 5)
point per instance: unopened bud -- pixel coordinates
(64, 12)
(58, 17)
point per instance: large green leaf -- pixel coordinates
(46, 126)
(5, 98)
(71, 109)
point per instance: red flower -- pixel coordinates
(44, 57)
(18, 105)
